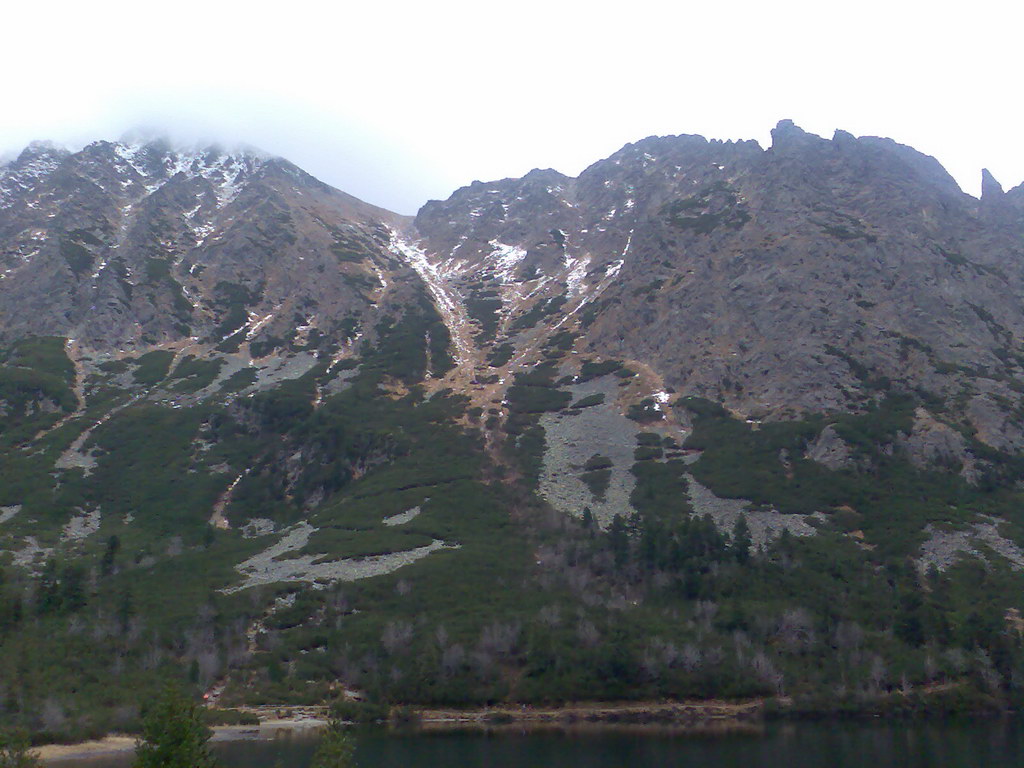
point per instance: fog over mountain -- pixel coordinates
(399, 102)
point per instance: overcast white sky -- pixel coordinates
(399, 102)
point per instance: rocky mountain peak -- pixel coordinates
(772, 260)
(37, 161)
(996, 206)
(990, 188)
(788, 135)
(140, 242)
(789, 269)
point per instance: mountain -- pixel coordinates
(706, 420)
(129, 246)
(756, 277)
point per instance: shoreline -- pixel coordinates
(116, 744)
(711, 716)
(685, 715)
(696, 716)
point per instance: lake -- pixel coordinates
(946, 744)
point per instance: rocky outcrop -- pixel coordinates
(991, 190)
(981, 539)
(765, 525)
(830, 450)
(934, 445)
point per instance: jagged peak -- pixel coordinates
(208, 152)
(537, 176)
(37, 161)
(990, 188)
(786, 134)
(545, 176)
(651, 142)
(672, 149)
(36, 151)
(44, 146)
(786, 125)
(655, 144)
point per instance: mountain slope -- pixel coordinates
(131, 245)
(763, 279)
(707, 420)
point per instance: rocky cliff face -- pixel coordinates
(126, 246)
(813, 276)
(804, 277)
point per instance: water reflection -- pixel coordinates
(950, 744)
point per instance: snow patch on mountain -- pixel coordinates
(574, 280)
(225, 172)
(506, 260)
(34, 165)
(446, 297)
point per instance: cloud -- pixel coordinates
(397, 102)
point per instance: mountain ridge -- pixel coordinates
(707, 420)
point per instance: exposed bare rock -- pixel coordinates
(81, 526)
(402, 517)
(980, 539)
(31, 555)
(572, 439)
(765, 525)
(256, 527)
(991, 190)
(994, 424)
(830, 450)
(780, 281)
(127, 245)
(272, 566)
(935, 445)
(7, 513)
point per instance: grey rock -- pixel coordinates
(765, 525)
(932, 444)
(830, 450)
(982, 538)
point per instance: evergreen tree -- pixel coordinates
(588, 519)
(108, 562)
(618, 540)
(14, 752)
(336, 748)
(174, 735)
(741, 539)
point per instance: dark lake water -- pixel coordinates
(948, 744)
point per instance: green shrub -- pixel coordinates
(152, 367)
(589, 400)
(597, 481)
(174, 735)
(591, 370)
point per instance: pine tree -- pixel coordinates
(741, 540)
(336, 748)
(174, 735)
(618, 540)
(15, 753)
(588, 519)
